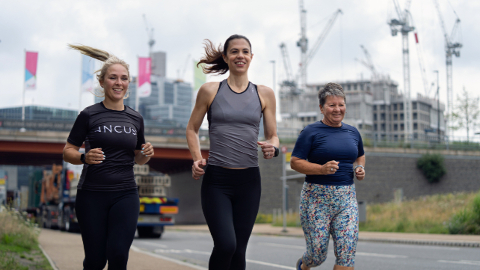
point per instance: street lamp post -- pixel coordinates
(438, 107)
(277, 96)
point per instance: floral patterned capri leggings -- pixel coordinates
(329, 210)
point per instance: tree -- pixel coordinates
(466, 113)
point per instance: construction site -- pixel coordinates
(381, 111)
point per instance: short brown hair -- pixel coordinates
(330, 89)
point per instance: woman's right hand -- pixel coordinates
(94, 156)
(330, 167)
(197, 168)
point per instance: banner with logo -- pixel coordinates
(199, 77)
(31, 70)
(144, 72)
(88, 66)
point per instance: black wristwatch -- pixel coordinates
(82, 158)
(276, 152)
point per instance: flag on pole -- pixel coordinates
(31, 70)
(88, 66)
(144, 72)
(199, 77)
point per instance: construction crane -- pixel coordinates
(368, 63)
(421, 63)
(402, 24)
(451, 48)
(289, 85)
(151, 41)
(303, 44)
(305, 55)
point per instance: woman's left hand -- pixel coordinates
(360, 173)
(147, 149)
(267, 149)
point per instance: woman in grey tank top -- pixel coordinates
(231, 184)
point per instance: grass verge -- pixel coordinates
(457, 213)
(429, 214)
(19, 243)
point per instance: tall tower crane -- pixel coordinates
(402, 24)
(289, 85)
(303, 44)
(306, 55)
(421, 63)
(451, 48)
(151, 41)
(368, 63)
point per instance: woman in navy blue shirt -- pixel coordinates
(330, 153)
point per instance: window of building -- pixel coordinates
(374, 117)
(402, 127)
(383, 127)
(375, 127)
(382, 107)
(382, 116)
(374, 107)
(415, 126)
(395, 127)
(401, 116)
(414, 105)
(415, 116)
(395, 116)
(394, 107)
(400, 106)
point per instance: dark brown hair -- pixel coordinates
(213, 58)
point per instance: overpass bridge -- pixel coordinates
(34, 147)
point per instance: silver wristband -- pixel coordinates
(358, 166)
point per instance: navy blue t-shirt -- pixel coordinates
(319, 143)
(119, 134)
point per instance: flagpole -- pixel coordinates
(23, 99)
(136, 90)
(81, 77)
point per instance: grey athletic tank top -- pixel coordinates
(234, 121)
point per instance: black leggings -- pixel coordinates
(230, 200)
(108, 221)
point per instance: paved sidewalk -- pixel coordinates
(66, 252)
(404, 238)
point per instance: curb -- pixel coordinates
(52, 263)
(423, 242)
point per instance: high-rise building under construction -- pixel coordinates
(374, 107)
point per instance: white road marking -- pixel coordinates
(271, 264)
(425, 247)
(177, 251)
(461, 262)
(181, 251)
(134, 248)
(380, 255)
(151, 244)
(281, 245)
(358, 253)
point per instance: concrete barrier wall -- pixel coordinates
(388, 171)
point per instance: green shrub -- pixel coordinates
(263, 218)
(432, 167)
(468, 220)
